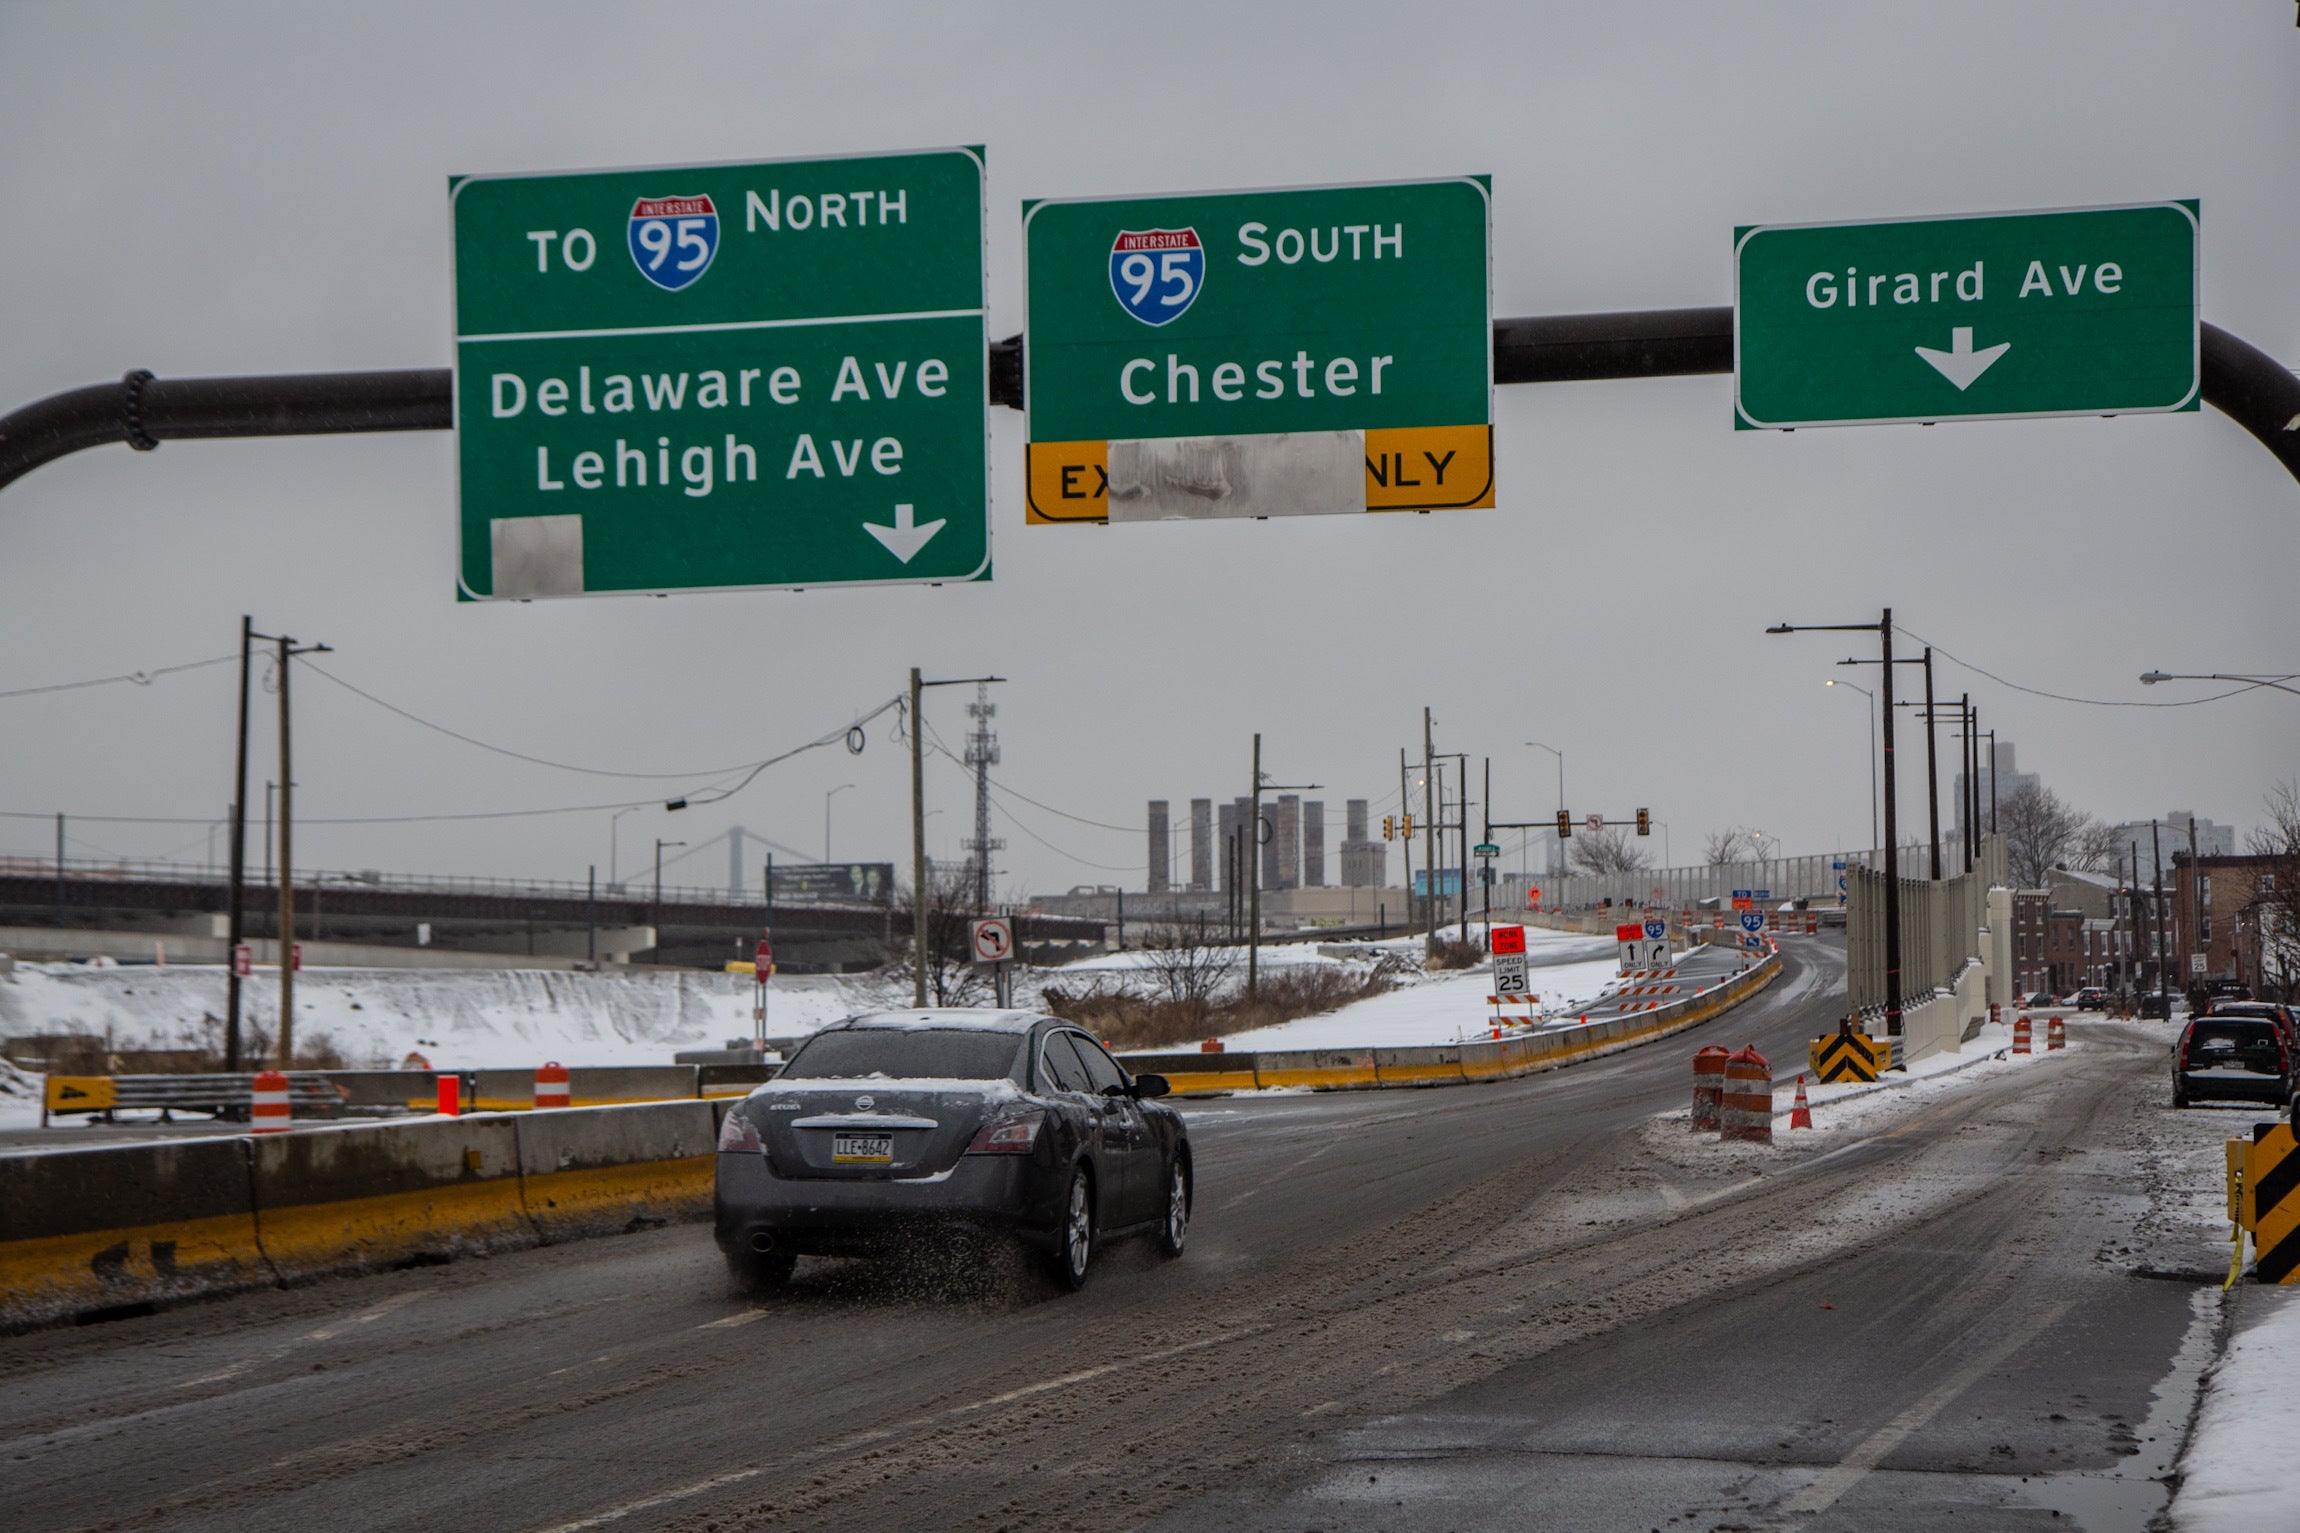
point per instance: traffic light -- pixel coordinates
(1564, 825)
(1406, 827)
(1645, 822)
(1389, 827)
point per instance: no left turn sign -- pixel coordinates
(993, 940)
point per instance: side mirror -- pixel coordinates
(1146, 1086)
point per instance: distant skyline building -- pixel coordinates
(1159, 880)
(1365, 863)
(1313, 844)
(1201, 844)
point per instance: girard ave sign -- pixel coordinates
(2084, 311)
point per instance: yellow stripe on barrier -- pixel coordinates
(65, 1274)
(355, 1233)
(1321, 1077)
(1207, 1082)
(567, 1203)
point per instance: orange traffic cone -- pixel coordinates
(1802, 1115)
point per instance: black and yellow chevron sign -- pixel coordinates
(1847, 1057)
(2271, 1199)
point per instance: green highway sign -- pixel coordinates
(2083, 311)
(712, 376)
(1260, 353)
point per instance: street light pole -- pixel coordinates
(1883, 628)
(2279, 682)
(1253, 861)
(287, 651)
(238, 923)
(614, 879)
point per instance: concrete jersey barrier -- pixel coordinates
(1202, 1074)
(92, 1229)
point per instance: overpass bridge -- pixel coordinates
(400, 920)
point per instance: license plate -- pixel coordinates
(862, 1149)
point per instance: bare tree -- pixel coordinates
(951, 977)
(2042, 833)
(2276, 907)
(1606, 851)
(1189, 957)
(1732, 844)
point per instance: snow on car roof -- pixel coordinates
(973, 1021)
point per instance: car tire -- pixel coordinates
(1074, 1239)
(1174, 1232)
(2179, 1096)
(754, 1272)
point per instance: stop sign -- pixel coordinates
(763, 957)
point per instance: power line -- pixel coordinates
(140, 678)
(2062, 697)
(563, 766)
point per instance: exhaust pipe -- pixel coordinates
(762, 1242)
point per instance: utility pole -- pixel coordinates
(237, 928)
(2195, 895)
(2163, 980)
(1992, 782)
(1932, 768)
(1405, 807)
(1429, 822)
(287, 651)
(591, 916)
(59, 872)
(1254, 882)
(921, 897)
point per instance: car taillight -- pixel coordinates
(1008, 1136)
(739, 1132)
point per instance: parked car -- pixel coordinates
(2285, 1017)
(2042, 998)
(2155, 1004)
(897, 1124)
(2232, 1058)
(2090, 998)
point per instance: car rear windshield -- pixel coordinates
(2233, 1033)
(905, 1054)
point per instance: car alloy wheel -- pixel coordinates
(1077, 1246)
(1177, 1230)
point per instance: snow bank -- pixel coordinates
(456, 1018)
(2237, 1477)
(1433, 1010)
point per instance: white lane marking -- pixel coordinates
(1871, 1451)
(863, 1439)
(325, 1333)
(743, 1318)
(1282, 1171)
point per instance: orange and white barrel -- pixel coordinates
(2020, 1034)
(551, 1086)
(1747, 1111)
(268, 1111)
(2055, 1033)
(1708, 1087)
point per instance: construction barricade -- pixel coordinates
(1708, 1087)
(2264, 1191)
(2021, 1034)
(1747, 1110)
(1848, 1056)
(2055, 1034)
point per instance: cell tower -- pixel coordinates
(982, 755)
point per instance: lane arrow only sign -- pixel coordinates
(1960, 364)
(905, 538)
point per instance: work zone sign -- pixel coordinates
(1263, 353)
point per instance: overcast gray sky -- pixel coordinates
(221, 189)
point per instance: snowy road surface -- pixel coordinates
(1526, 1304)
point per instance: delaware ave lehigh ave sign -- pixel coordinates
(1261, 353)
(2088, 311)
(715, 376)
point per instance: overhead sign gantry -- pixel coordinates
(713, 376)
(1260, 353)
